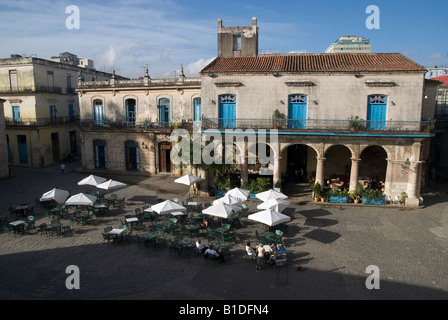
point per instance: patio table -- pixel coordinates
(116, 231)
(150, 235)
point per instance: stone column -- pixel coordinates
(244, 170)
(388, 179)
(413, 194)
(277, 169)
(320, 171)
(354, 173)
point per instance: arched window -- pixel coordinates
(164, 110)
(99, 151)
(131, 150)
(130, 105)
(297, 105)
(98, 111)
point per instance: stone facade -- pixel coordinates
(337, 92)
(135, 140)
(41, 109)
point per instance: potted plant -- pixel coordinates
(323, 196)
(276, 116)
(403, 197)
(355, 124)
(370, 196)
(317, 191)
(338, 196)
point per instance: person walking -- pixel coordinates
(62, 168)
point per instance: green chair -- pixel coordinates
(68, 227)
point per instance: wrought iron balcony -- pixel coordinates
(321, 125)
(145, 125)
(10, 122)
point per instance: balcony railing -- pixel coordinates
(147, 125)
(321, 125)
(41, 121)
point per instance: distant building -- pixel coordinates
(436, 72)
(350, 44)
(41, 107)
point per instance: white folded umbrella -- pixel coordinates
(276, 204)
(92, 180)
(81, 199)
(55, 194)
(269, 217)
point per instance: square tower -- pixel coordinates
(235, 42)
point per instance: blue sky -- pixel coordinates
(163, 34)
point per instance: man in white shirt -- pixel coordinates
(212, 252)
(200, 247)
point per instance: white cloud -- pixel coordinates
(298, 51)
(115, 53)
(192, 69)
(437, 55)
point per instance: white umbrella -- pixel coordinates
(81, 199)
(92, 180)
(188, 179)
(55, 194)
(270, 194)
(269, 217)
(276, 204)
(228, 199)
(168, 206)
(239, 193)
(221, 210)
(111, 184)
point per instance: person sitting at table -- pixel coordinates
(212, 252)
(204, 224)
(200, 247)
(250, 251)
(274, 246)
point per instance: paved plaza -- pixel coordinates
(333, 244)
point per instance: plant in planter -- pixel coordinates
(276, 116)
(355, 124)
(339, 196)
(403, 197)
(370, 196)
(317, 191)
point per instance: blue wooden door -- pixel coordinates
(52, 113)
(297, 111)
(376, 112)
(197, 109)
(23, 152)
(132, 161)
(71, 113)
(227, 111)
(16, 113)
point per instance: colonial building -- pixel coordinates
(126, 125)
(41, 107)
(354, 116)
(4, 169)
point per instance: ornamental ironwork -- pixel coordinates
(297, 98)
(380, 99)
(227, 98)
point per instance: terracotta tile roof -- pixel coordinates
(443, 79)
(316, 62)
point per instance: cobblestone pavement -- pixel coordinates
(334, 244)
